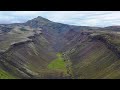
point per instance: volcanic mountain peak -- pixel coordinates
(39, 18)
(38, 22)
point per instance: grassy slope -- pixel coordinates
(5, 75)
(94, 60)
(33, 60)
(58, 64)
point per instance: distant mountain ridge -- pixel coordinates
(43, 22)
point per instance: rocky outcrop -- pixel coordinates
(4, 29)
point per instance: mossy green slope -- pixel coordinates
(5, 75)
(58, 64)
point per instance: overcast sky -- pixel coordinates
(82, 18)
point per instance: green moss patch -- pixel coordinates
(5, 75)
(58, 64)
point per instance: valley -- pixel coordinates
(42, 49)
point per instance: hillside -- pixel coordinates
(43, 49)
(93, 58)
